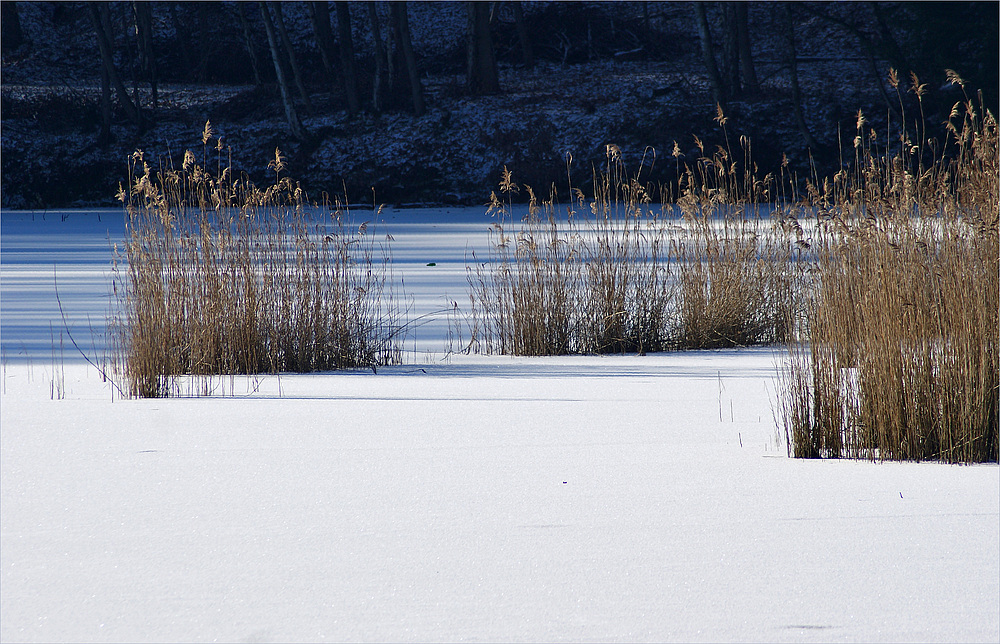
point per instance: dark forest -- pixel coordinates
(425, 103)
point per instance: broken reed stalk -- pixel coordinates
(901, 356)
(216, 276)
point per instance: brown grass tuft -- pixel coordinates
(900, 360)
(217, 276)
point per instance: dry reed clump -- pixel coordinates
(524, 297)
(596, 281)
(621, 274)
(216, 276)
(629, 288)
(737, 256)
(902, 355)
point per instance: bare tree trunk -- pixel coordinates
(294, 124)
(730, 50)
(203, 40)
(378, 82)
(889, 45)
(481, 69)
(143, 14)
(347, 57)
(401, 27)
(180, 34)
(319, 12)
(392, 56)
(107, 107)
(527, 55)
(99, 16)
(708, 55)
(286, 42)
(750, 82)
(248, 43)
(793, 71)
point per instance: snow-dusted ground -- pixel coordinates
(453, 497)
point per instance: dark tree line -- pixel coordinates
(206, 42)
(128, 51)
(139, 45)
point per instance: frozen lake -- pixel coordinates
(72, 249)
(451, 498)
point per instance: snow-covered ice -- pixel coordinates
(453, 497)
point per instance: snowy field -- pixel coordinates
(452, 498)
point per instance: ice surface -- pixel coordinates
(457, 497)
